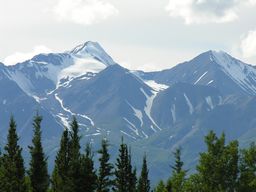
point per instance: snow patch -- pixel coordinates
(132, 127)
(209, 102)
(82, 66)
(173, 111)
(63, 119)
(210, 82)
(200, 77)
(191, 108)
(148, 106)
(137, 113)
(156, 86)
(145, 135)
(70, 112)
(39, 99)
(128, 135)
(152, 127)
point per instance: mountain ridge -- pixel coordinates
(154, 111)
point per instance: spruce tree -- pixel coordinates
(218, 166)
(160, 187)
(120, 172)
(144, 183)
(88, 174)
(178, 166)
(133, 180)
(60, 179)
(247, 167)
(38, 164)
(124, 175)
(75, 158)
(104, 182)
(12, 163)
(177, 180)
(194, 183)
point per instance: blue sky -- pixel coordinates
(144, 34)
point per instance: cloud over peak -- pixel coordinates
(248, 44)
(206, 11)
(84, 12)
(21, 56)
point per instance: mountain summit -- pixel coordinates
(155, 112)
(92, 49)
(212, 68)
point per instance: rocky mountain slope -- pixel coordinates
(155, 112)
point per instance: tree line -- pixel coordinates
(74, 170)
(221, 168)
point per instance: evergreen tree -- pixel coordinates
(88, 174)
(194, 183)
(177, 180)
(38, 164)
(12, 164)
(125, 178)
(60, 179)
(218, 167)
(75, 158)
(160, 187)
(177, 168)
(144, 183)
(104, 182)
(247, 167)
(132, 179)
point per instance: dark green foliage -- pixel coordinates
(160, 187)
(177, 168)
(132, 179)
(125, 178)
(12, 171)
(218, 167)
(247, 167)
(38, 164)
(144, 183)
(177, 180)
(88, 174)
(60, 178)
(75, 159)
(193, 184)
(105, 170)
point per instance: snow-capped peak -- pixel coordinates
(220, 56)
(49, 69)
(243, 74)
(92, 49)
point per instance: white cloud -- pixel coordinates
(206, 11)
(248, 44)
(85, 12)
(252, 2)
(20, 57)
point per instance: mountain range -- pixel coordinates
(155, 112)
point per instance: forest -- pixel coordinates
(223, 167)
